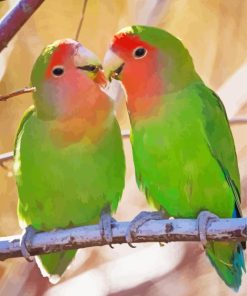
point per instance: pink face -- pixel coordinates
(72, 72)
(138, 72)
(68, 92)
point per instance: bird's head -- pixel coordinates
(62, 74)
(149, 62)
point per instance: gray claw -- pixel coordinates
(204, 220)
(130, 244)
(138, 221)
(105, 225)
(26, 241)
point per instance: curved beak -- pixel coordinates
(86, 60)
(113, 65)
(84, 57)
(100, 77)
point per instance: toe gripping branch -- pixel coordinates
(105, 225)
(26, 242)
(138, 221)
(204, 219)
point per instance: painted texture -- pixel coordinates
(215, 32)
(184, 154)
(69, 161)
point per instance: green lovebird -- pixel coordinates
(183, 149)
(69, 159)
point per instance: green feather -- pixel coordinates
(228, 260)
(60, 187)
(54, 265)
(69, 183)
(184, 154)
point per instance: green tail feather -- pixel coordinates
(54, 265)
(228, 260)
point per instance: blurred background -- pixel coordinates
(215, 32)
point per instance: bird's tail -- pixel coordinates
(228, 260)
(54, 265)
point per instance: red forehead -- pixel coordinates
(60, 54)
(127, 42)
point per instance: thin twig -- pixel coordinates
(17, 93)
(5, 157)
(81, 20)
(152, 231)
(238, 120)
(15, 19)
(125, 134)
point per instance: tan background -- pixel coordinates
(215, 31)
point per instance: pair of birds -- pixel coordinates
(69, 160)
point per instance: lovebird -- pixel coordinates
(183, 149)
(69, 159)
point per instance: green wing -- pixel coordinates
(26, 116)
(220, 140)
(228, 258)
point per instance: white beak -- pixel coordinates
(111, 63)
(84, 57)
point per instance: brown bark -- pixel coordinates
(11, 23)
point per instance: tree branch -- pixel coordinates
(81, 20)
(5, 157)
(125, 134)
(238, 120)
(152, 231)
(15, 19)
(17, 93)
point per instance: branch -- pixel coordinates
(238, 120)
(152, 231)
(81, 20)
(17, 93)
(5, 157)
(15, 19)
(125, 134)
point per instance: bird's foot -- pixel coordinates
(26, 242)
(204, 219)
(138, 221)
(105, 226)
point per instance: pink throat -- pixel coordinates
(88, 120)
(143, 94)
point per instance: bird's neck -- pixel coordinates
(87, 122)
(144, 96)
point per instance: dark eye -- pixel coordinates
(58, 71)
(139, 52)
(90, 68)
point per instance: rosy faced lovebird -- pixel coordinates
(69, 160)
(183, 149)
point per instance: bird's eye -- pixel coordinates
(58, 71)
(90, 68)
(139, 52)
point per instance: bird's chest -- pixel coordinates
(169, 142)
(57, 183)
(175, 166)
(62, 169)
